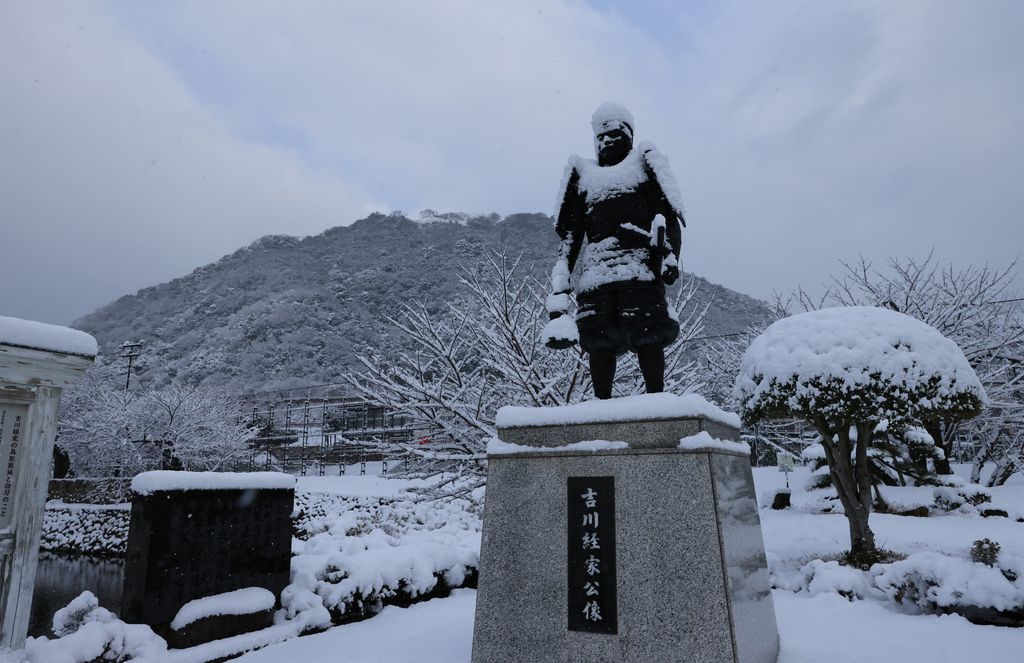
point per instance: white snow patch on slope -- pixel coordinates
(627, 408)
(42, 336)
(149, 482)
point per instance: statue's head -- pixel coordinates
(613, 133)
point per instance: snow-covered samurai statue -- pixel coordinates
(626, 208)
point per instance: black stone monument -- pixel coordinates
(189, 544)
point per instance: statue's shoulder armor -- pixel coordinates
(570, 177)
(568, 188)
(657, 168)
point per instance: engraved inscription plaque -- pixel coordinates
(591, 540)
(12, 419)
(184, 545)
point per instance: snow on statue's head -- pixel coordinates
(613, 132)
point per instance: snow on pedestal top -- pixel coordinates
(42, 336)
(150, 482)
(850, 343)
(627, 408)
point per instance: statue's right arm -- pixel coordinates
(569, 221)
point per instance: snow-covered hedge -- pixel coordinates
(965, 499)
(352, 556)
(931, 582)
(939, 583)
(361, 553)
(90, 529)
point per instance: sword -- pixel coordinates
(658, 251)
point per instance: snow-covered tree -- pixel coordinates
(486, 352)
(851, 372)
(108, 431)
(196, 427)
(978, 309)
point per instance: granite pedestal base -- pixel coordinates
(691, 581)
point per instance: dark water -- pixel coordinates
(60, 578)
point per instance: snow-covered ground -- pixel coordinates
(368, 529)
(814, 630)
(824, 627)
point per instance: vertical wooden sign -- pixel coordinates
(593, 599)
(12, 422)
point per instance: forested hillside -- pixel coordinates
(287, 311)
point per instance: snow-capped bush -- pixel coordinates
(857, 363)
(87, 633)
(964, 498)
(932, 582)
(985, 551)
(825, 577)
(856, 374)
(948, 499)
(974, 494)
(940, 583)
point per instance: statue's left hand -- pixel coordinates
(669, 275)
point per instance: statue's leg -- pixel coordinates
(602, 372)
(652, 365)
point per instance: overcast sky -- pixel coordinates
(141, 140)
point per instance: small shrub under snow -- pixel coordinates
(984, 592)
(939, 583)
(86, 633)
(985, 551)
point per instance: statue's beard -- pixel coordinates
(613, 153)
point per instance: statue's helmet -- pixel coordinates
(611, 115)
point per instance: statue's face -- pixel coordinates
(612, 146)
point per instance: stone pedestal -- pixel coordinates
(686, 577)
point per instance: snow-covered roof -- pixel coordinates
(43, 336)
(150, 482)
(850, 344)
(627, 408)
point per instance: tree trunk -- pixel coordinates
(862, 539)
(942, 465)
(978, 465)
(854, 490)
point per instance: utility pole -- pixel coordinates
(131, 352)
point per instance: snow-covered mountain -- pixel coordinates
(287, 311)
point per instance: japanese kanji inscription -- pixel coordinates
(591, 541)
(12, 417)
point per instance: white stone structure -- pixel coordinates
(37, 361)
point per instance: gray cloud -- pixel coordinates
(145, 140)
